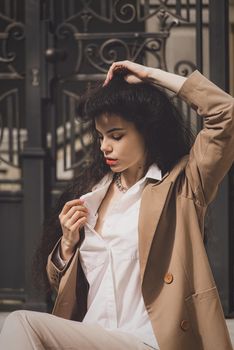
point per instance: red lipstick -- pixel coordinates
(111, 161)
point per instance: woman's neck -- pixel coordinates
(130, 176)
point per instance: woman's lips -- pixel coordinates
(111, 161)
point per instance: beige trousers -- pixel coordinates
(30, 330)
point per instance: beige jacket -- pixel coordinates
(177, 283)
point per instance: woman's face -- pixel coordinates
(121, 143)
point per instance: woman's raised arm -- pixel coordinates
(135, 73)
(213, 151)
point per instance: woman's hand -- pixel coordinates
(72, 218)
(135, 73)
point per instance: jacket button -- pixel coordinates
(168, 278)
(184, 325)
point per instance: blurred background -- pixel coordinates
(53, 50)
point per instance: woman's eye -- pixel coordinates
(117, 137)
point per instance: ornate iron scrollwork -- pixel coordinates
(126, 12)
(14, 31)
(97, 33)
(184, 67)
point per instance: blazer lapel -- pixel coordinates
(153, 200)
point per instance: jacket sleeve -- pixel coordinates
(54, 271)
(213, 151)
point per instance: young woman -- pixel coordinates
(128, 260)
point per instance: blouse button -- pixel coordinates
(184, 325)
(168, 278)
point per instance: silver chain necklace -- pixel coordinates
(118, 183)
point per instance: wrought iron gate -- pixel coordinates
(50, 51)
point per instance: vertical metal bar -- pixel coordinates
(33, 155)
(14, 128)
(54, 142)
(72, 123)
(199, 47)
(199, 36)
(17, 116)
(188, 10)
(10, 127)
(178, 7)
(219, 250)
(64, 133)
(219, 44)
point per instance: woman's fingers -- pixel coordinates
(70, 204)
(128, 68)
(79, 223)
(121, 66)
(72, 216)
(72, 210)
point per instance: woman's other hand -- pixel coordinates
(72, 218)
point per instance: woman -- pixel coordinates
(130, 267)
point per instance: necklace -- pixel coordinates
(118, 183)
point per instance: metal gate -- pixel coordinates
(51, 51)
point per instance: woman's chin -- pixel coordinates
(116, 168)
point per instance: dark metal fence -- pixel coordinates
(50, 52)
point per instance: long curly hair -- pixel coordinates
(166, 136)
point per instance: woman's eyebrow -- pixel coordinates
(111, 130)
(114, 129)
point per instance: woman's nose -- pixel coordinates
(105, 146)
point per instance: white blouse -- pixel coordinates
(110, 262)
